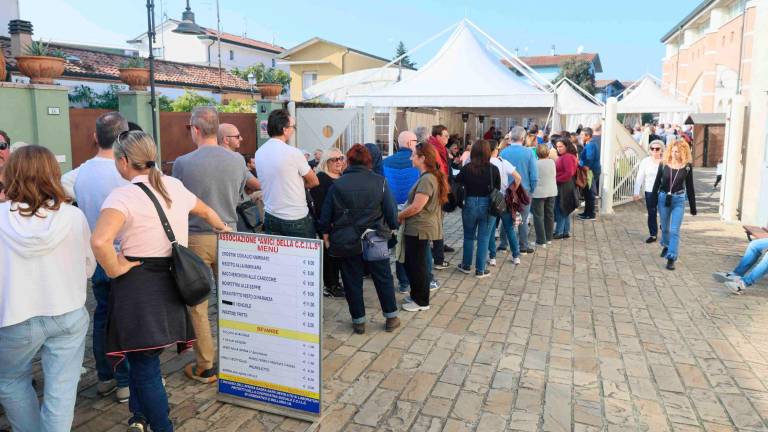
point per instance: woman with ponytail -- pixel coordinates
(423, 219)
(146, 313)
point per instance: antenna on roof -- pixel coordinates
(580, 49)
(245, 25)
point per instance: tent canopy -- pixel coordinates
(647, 97)
(572, 101)
(464, 73)
(337, 89)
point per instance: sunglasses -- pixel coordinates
(235, 136)
(336, 159)
(3, 145)
(655, 148)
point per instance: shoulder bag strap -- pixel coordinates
(160, 212)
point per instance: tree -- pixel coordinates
(264, 75)
(578, 71)
(86, 97)
(406, 61)
(189, 100)
(237, 106)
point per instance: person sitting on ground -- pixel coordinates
(750, 269)
(360, 203)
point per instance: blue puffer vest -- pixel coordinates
(400, 174)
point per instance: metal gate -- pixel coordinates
(626, 164)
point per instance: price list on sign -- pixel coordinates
(269, 322)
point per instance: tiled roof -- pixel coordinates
(239, 40)
(104, 66)
(603, 83)
(556, 60)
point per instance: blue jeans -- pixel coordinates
(149, 402)
(671, 219)
(651, 205)
(522, 229)
(101, 283)
(352, 276)
(507, 233)
(61, 341)
(476, 221)
(302, 228)
(753, 253)
(562, 220)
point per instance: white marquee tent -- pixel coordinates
(465, 73)
(647, 97)
(337, 89)
(575, 107)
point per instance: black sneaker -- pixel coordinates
(485, 273)
(587, 217)
(663, 252)
(442, 266)
(333, 291)
(670, 264)
(447, 248)
(650, 239)
(526, 250)
(501, 248)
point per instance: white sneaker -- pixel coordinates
(737, 287)
(492, 262)
(516, 260)
(413, 307)
(549, 242)
(434, 285)
(104, 388)
(407, 299)
(123, 394)
(725, 276)
(543, 246)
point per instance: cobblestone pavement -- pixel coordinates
(590, 334)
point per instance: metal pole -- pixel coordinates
(218, 36)
(151, 58)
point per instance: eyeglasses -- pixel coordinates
(234, 136)
(336, 159)
(655, 148)
(291, 126)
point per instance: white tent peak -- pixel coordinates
(572, 99)
(464, 73)
(645, 96)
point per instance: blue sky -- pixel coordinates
(625, 33)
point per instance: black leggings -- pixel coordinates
(415, 268)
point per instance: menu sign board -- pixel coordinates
(270, 307)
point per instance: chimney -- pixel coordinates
(21, 36)
(517, 52)
(553, 50)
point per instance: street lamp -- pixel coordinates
(251, 81)
(187, 26)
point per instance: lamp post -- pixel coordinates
(252, 82)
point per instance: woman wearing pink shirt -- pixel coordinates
(146, 312)
(565, 169)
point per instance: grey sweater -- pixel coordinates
(547, 186)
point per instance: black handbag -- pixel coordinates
(498, 204)
(248, 217)
(193, 277)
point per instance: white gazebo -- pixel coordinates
(646, 96)
(575, 106)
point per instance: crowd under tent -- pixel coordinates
(575, 106)
(646, 96)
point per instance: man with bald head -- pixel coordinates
(229, 136)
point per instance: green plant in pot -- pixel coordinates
(134, 72)
(270, 81)
(41, 63)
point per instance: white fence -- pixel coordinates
(626, 164)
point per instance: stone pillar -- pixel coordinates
(732, 160)
(607, 158)
(38, 114)
(134, 105)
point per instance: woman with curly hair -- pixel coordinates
(674, 183)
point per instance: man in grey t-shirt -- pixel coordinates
(217, 176)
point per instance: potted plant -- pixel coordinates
(40, 63)
(270, 82)
(134, 73)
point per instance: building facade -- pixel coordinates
(236, 51)
(549, 66)
(318, 60)
(706, 52)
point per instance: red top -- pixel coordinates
(442, 152)
(565, 167)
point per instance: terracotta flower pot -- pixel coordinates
(136, 78)
(40, 69)
(270, 90)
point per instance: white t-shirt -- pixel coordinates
(280, 168)
(506, 170)
(646, 175)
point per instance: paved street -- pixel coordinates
(589, 334)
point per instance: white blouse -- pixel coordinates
(646, 175)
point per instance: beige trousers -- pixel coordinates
(204, 245)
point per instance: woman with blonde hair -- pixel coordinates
(146, 312)
(673, 184)
(330, 168)
(46, 265)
